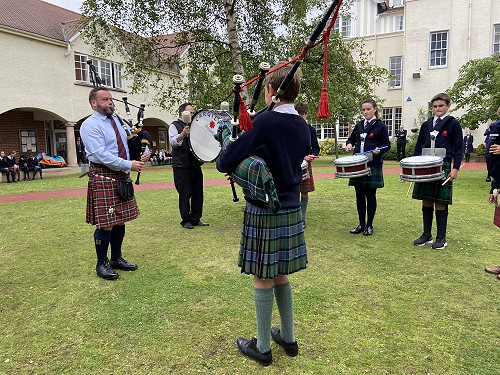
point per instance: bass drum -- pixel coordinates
(204, 126)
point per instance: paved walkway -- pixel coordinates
(80, 192)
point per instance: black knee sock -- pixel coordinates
(101, 240)
(427, 216)
(371, 205)
(441, 222)
(117, 235)
(360, 205)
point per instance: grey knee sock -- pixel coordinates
(264, 312)
(283, 293)
(303, 206)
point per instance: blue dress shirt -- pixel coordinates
(99, 139)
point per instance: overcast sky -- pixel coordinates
(73, 5)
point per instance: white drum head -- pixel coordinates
(204, 126)
(424, 161)
(351, 160)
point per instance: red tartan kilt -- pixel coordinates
(105, 208)
(496, 219)
(307, 185)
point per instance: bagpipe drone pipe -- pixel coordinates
(252, 174)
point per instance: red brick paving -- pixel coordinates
(80, 192)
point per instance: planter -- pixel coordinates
(481, 158)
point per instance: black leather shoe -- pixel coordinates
(249, 348)
(291, 349)
(357, 230)
(187, 225)
(122, 264)
(201, 224)
(106, 272)
(368, 231)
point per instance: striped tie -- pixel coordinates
(438, 120)
(122, 153)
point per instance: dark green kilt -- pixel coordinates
(375, 180)
(272, 244)
(433, 191)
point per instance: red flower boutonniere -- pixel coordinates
(371, 135)
(444, 133)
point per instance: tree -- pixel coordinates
(224, 38)
(477, 91)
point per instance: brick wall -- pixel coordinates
(11, 123)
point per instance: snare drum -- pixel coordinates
(204, 126)
(423, 168)
(352, 166)
(305, 170)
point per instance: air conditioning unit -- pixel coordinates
(416, 75)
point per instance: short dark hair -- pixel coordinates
(274, 79)
(94, 91)
(301, 108)
(183, 106)
(441, 96)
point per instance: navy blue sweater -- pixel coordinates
(376, 136)
(450, 137)
(282, 140)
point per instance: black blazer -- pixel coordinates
(376, 136)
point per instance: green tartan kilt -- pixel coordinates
(375, 180)
(272, 244)
(433, 191)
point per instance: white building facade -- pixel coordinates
(45, 82)
(423, 44)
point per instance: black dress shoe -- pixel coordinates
(249, 348)
(357, 230)
(187, 225)
(200, 224)
(368, 231)
(122, 264)
(291, 349)
(106, 272)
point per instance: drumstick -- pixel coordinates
(367, 152)
(448, 179)
(409, 187)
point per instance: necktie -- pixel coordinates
(366, 126)
(438, 120)
(122, 153)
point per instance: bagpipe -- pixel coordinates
(253, 174)
(138, 139)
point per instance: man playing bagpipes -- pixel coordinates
(110, 197)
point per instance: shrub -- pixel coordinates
(327, 147)
(481, 150)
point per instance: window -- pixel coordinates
(81, 68)
(399, 23)
(343, 26)
(392, 118)
(397, 3)
(109, 73)
(438, 49)
(343, 130)
(396, 71)
(324, 130)
(496, 38)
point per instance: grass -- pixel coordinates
(374, 305)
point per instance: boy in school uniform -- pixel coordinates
(446, 133)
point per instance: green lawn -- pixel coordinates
(374, 305)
